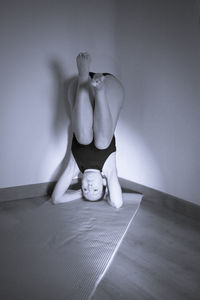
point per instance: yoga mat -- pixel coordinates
(59, 252)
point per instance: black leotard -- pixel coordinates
(89, 156)
(104, 74)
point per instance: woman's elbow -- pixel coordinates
(54, 199)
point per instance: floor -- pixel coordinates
(158, 259)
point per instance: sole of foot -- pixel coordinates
(83, 61)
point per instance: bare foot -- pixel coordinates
(98, 81)
(83, 64)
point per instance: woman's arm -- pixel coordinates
(68, 196)
(61, 194)
(114, 196)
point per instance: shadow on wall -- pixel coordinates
(60, 130)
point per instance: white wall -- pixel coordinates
(160, 68)
(39, 43)
(153, 46)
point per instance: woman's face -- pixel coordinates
(92, 185)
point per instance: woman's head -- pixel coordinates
(92, 185)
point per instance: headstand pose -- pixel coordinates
(96, 100)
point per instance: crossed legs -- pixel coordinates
(95, 105)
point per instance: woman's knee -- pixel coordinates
(102, 142)
(84, 138)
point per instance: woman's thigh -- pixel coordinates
(115, 96)
(72, 93)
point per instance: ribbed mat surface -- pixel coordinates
(58, 252)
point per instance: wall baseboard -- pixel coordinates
(26, 191)
(165, 200)
(159, 198)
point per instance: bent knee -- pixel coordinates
(102, 143)
(84, 139)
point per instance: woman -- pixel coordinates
(96, 101)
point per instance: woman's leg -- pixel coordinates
(82, 111)
(109, 97)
